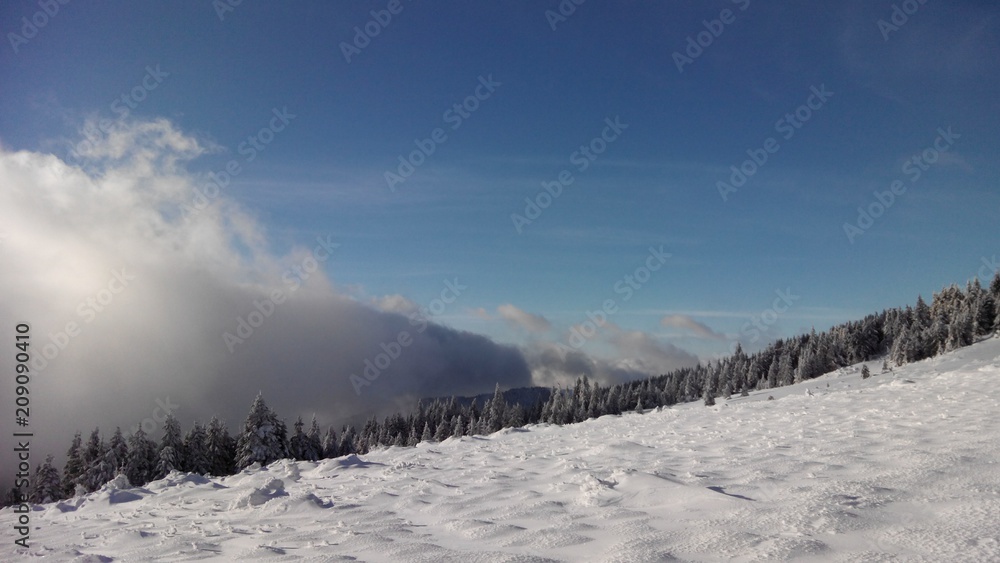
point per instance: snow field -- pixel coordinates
(900, 467)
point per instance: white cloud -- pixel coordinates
(395, 303)
(687, 323)
(523, 319)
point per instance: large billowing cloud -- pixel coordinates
(144, 294)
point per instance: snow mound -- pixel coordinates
(273, 489)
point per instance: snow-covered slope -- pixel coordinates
(902, 466)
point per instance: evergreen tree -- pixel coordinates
(263, 439)
(921, 315)
(74, 468)
(168, 460)
(709, 397)
(220, 448)
(314, 442)
(515, 417)
(172, 438)
(101, 471)
(46, 485)
(494, 411)
(297, 443)
(118, 448)
(785, 370)
(196, 458)
(865, 372)
(331, 448)
(986, 315)
(140, 466)
(457, 426)
(443, 430)
(348, 442)
(93, 450)
(426, 435)
(14, 496)
(772, 374)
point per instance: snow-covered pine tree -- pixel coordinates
(457, 426)
(348, 441)
(314, 442)
(45, 484)
(412, 439)
(865, 372)
(101, 471)
(709, 397)
(220, 448)
(168, 460)
(74, 466)
(427, 435)
(142, 458)
(330, 446)
(118, 448)
(986, 314)
(443, 430)
(173, 438)
(514, 417)
(263, 439)
(297, 443)
(95, 466)
(196, 459)
(493, 412)
(772, 374)
(93, 450)
(786, 374)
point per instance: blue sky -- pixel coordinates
(654, 185)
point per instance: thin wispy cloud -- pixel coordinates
(522, 319)
(687, 323)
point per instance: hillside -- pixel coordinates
(901, 466)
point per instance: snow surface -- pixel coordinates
(899, 467)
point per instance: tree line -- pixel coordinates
(955, 318)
